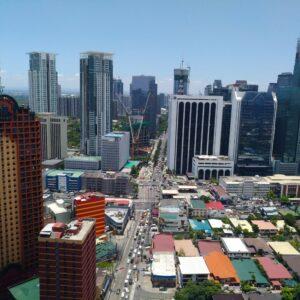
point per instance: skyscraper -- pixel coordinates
(194, 129)
(181, 81)
(287, 133)
(252, 132)
(69, 106)
(43, 91)
(54, 136)
(96, 94)
(67, 260)
(21, 204)
(143, 91)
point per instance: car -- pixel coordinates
(134, 267)
(162, 289)
(126, 290)
(128, 261)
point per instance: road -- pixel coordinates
(149, 194)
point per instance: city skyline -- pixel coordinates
(147, 49)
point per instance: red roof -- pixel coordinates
(207, 246)
(273, 269)
(219, 190)
(214, 205)
(163, 243)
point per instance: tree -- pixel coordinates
(246, 287)
(284, 200)
(238, 230)
(288, 293)
(204, 198)
(255, 228)
(271, 195)
(200, 291)
(290, 219)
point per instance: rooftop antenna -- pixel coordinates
(181, 64)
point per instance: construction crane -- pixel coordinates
(135, 139)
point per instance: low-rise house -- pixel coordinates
(274, 270)
(163, 242)
(269, 211)
(221, 268)
(235, 247)
(247, 270)
(215, 209)
(163, 271)
(265, 227)
(257, 246)
(280, 225)
(243, 224)
(185, 248)
(207, 246)
(192, 269)
(283, 248)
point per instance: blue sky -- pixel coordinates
(225, 39)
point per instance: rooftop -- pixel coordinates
(116, 214)
(187, 247)
(28, 290)
(242, 179)
(283, 248)
(197, 204)
(170, 192)
(163, 264)
(131, 163)
(293, 263)
(73, 173)
(84, 158)
(244, 224)
(192, 265)
(214, 205)
(247, 270)
(90, 196)
(283, 179)
(207, 246)
(234, 245)
(163, 243)
(257, 244)
(211, 157)
(264, 225)
(273, 269)
(220, 266)
(76, 230)
(202, 225)
(218, 224)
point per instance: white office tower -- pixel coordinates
(54, 135)
(194, 129)
(96, 94)
(42, 77)
(115, 150)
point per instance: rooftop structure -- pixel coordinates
(221, 268)
(207, 246)
(163, 265)
(244, 224)
(214, 205)
(117, 218)
(235, 247)
(293, 263)
(163, 243)
(28, 290)
(83, 162)
(257, 245)
(202, 225)
(273, 269)
(193, 266)
(283, 248)
(186, 248)
(247, 270)
(218, 224)
(264, 226)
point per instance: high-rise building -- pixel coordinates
(181, 81)
(252, 132)
(143, 91)
(287, 133)
(115, 150)
(67, 260)
(69, 106)
(217, 84)
(118, 88)
(194, 129)
(96, 94)
(208, 90)
(91, 205)
(42, 75)
(54, 132)
(21, 202)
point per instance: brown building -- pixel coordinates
(67, 261)
(21, 210)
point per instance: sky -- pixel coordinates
(219, 39)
